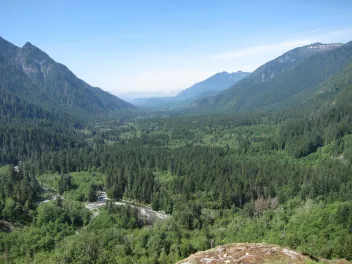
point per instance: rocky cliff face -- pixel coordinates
(254, 253)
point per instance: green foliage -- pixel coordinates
(19, 190)
(64, 183)
(280, 177)
(316, 228)
(116, 236)
(55, 220)
(62, 212)
(77, 186)
(21, 140)
(119, 216)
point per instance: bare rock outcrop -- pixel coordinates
(246, 253)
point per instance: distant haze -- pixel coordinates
(144, 94)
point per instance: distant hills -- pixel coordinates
(285, 81)
(32, 77)
(211, 86)
(33, 85)
(218, 82)
(288, 80)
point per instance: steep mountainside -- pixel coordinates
(329, 117)
(19, 97)
(218, 82)
(288, 60)
(56, 82)
(288, 85)
(336, 85)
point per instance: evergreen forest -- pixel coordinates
(276, 174)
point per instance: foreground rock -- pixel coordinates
(253, 253)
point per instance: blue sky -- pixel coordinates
(159, 47)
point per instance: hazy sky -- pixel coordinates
(161, 46)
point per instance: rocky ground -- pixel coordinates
(145, 212)
(246, 253)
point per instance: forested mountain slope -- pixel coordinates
(20, 98)
(329, 120)
(289, 85)
(218, 82)
(43, 106)
(56, 82)
(287, 61)
(328, 90)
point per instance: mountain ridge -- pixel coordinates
(58, 83)
(216, 82)
(289, 59)
(294, 80)
(210, 86)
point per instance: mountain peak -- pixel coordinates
(58, 83)
(328, 46)
(29, 45)
(29, 49)
(221, 73)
